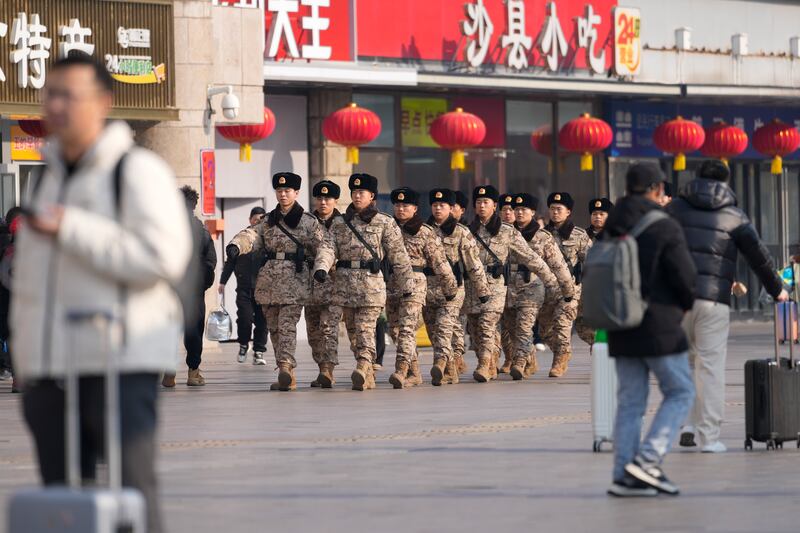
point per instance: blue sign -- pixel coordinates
(634, 123)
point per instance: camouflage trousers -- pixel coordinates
(403, 319)
(517, 334)
(282, 324)
(555, 324)
(360, 323)
(458, 342)
(483, 333)
(584, 332)
(322, 329)
(444, 325)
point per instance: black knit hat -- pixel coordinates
(600, 204)
(442, 195)
(507, 199)
(288, 180)
(562, 198)
(641, 177)
(461, 199)
(405, 195)
(363, 181)
(485, 191)
(327, 189)
(526, 200)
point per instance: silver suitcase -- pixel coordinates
(604, 392)
(72, 509)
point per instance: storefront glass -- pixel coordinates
(529, 168)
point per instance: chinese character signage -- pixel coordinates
(416, 116)
(208, 178)
(307, 30)
(627, 41)
(25, 147)
(134, 40)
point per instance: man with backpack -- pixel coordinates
(652, 342)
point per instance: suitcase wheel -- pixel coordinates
(748, 444)
(770, 444)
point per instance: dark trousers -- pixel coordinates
(193, 338)
(380, 340)
(537, 338)
(249, 313)
(43, 407)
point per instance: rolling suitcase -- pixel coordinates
(787, 321)
(73, 509)
(772, 398)
(604, 392)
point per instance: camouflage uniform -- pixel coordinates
(482, 319)
(557, 316)
(360, 292)
(323, 333)
(280, 288)
(443, 317)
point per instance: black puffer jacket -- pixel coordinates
(716, 231)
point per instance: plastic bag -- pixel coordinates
(219, 326)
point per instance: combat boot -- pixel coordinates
(194, 378)
(461, 365)
(450, 374)
(325, 377)
(518, 369)
(560, 365)
(483, 373)
(286, 381)
(506, 368)
(398, 379)
(437, 371)
(493, 366)
(362, 375)
(414, 377)
(533, 365)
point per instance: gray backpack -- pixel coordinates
(612, 290)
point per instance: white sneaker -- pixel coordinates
(5, 375)
(258, 359)
(715, 447)
(541, 347)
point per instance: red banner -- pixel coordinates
(208, 178)
(308, 29)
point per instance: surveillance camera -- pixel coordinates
(230, 106)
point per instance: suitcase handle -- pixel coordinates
(790, 305)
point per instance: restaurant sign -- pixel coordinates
(134, 40)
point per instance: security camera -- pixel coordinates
(230, 106)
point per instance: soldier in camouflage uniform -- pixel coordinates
(497, 244)
(289, 238)
(427, 255)
(459, 210)
(529, 298)
(506, 213)
(558, 316)
(322, 327)
(360, 289)
(442, 315)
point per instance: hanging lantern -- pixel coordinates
(247, 134)
(776, 139)
(724, 141)
(457, 131)
(679, 136)
(542, 140)
(34, 128)
(351, 127)
(585, 135)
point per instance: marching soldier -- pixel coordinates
(442, 314)
(356, 244)
(497, 243)
(289, 237)
(506, 211)
(598, 213)
(459, 211)
(427, 256)
(557, 317)
(322, 327)
(507, 208)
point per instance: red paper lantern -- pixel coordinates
(352, 126)
(585, 135)
(776, 139)
(457, 131)
(247, 134)
(34, 128)
(542, 140)
(724, 141)
(679, 136)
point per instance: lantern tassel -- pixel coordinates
(457, 161)
(680, 162)
(352, 155)
(586, 161)
(777, 165)
(724, 160)
(245, 152)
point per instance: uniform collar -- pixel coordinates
(366, 214)
(447, 227)
(329, 221)
(493, 226)
(292, 218)
(529, 231)
(564, 231)
(412, 226)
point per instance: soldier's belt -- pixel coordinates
(520, 268)
(356, 265)
(414, 269)
(281, 256)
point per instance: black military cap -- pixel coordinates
(562, 198)
(257, 211)
(327, 189)
(507, 199)
(405, 195)
(526, 200)
(642, 176)
(462, 200)
(600, 204)
(485, 191)
(286, 180)
(363, 181)
(442, 195)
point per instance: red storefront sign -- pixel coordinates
(308, 29)
(208, 178)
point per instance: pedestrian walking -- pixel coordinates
(716, 230)
(249, 314)
(658, 345)
(10, 229)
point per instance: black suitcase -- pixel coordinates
(772, 398)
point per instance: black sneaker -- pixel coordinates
(630, 487)
(242, 353)
(687, 437)
(652, 475)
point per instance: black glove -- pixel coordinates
(483, 299)
(450, 298)
(320, 275)
(568, 299)
(232, 250)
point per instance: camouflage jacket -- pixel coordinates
(279, 281)
(322, 293)
(508, 245)
(461, 250)
(361, 287)
(541, 242)
(574, 242)
(428, 262)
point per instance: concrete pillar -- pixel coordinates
(328, 160)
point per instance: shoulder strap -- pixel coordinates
(650, 218)
(288, 234)
(358, 235)
(118, 184)
(486, 247)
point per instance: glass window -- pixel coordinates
(529, 143)
(424, 169)
(383, 106)
(379, 163)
